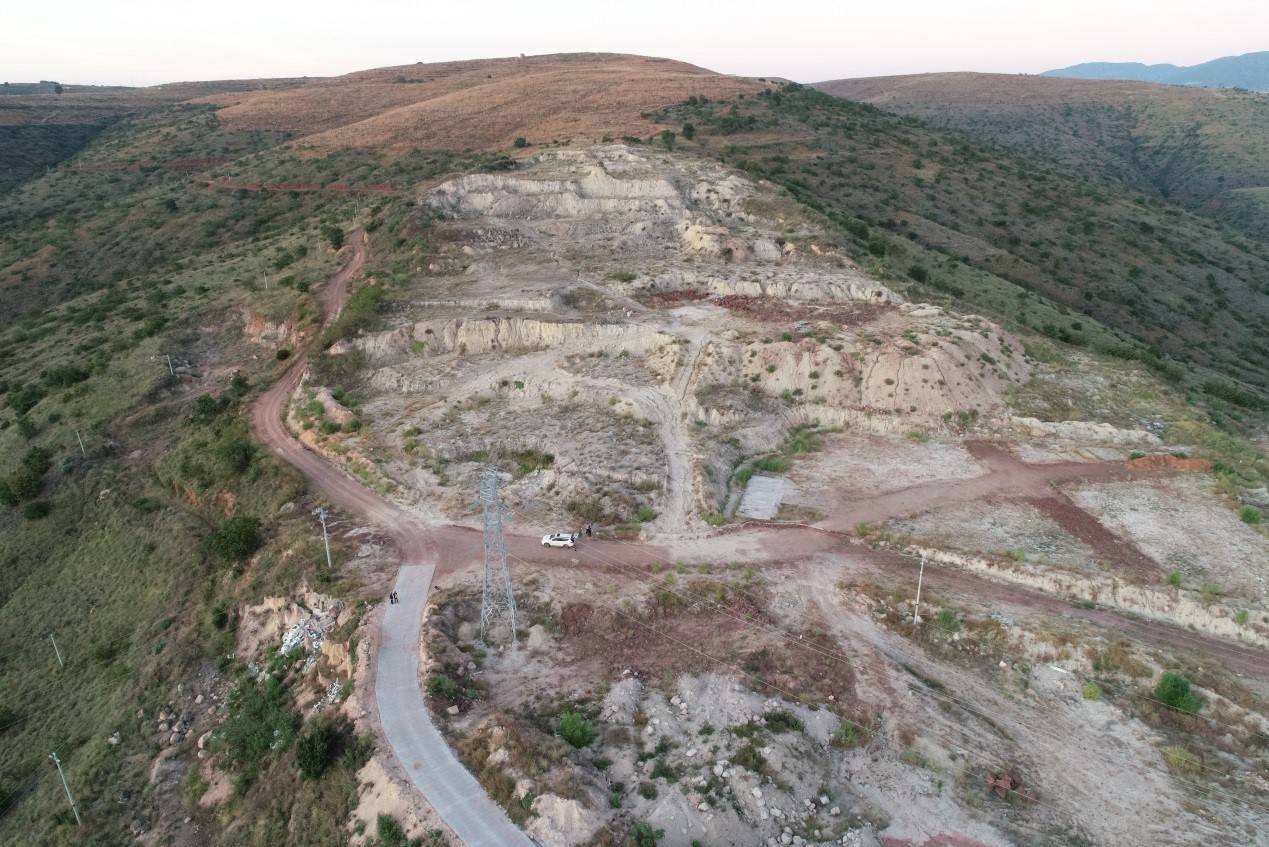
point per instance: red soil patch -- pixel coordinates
(1170, 463)
(773, 311)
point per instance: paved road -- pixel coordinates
(414, 739)
(418, 746)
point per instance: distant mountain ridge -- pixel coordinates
(1250, 71)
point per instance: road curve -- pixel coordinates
(407, 725)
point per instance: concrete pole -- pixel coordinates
(321, 516)
(916, 608)
(171, 370)
(60, 663)
(80, 439)
(66, 786)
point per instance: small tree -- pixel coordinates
(1174, 690)
(236, 539)
(667, 138)
(689, 131)
(316, 750)
(575, 729)
(333, 235)
(520, 142)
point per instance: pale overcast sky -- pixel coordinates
(139, 42)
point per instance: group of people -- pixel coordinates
(393, 598)
(578, 534)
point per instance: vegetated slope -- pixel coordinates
(1205, 149)
(1182, 284)
(1250, 70)
(478, 104)
(113, 261)
(40, 127)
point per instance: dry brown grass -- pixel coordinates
(479, 104)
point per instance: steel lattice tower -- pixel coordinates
(497, 601)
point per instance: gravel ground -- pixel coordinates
(1185, 524)
(996, 528)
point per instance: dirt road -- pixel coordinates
(403, 713)
(416, 743)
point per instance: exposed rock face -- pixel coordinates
(591, 300)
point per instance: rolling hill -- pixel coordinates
(1204, 149)
(1250, 70)
(479, 104)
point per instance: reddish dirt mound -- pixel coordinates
(479, 104)
(1170, 463)
(773, 311)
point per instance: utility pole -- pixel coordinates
(322, 514)
(497, 599)
(80, 439)
(916, 607)
(171, 370)
(66, 786)
(60, 663)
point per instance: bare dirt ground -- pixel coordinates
(719, 669)
(1164, 517)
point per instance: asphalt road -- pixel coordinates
(415, 740)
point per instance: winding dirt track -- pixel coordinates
(449, 547)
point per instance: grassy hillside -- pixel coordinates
(913, 200)
(112, 261)
(1195, 147)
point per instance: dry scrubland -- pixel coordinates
(636, 337)
(797, 296)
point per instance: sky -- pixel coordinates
(143, 42)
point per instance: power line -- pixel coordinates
(840, 657)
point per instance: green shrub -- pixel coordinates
(1249, 515)
(784, 721)
(36, 510)
(1241, 617)
(575, 729)
(316, 750)
(333, 235)
(64, 376)
(947, 621)
(24, 399)
(1174, 579)
(520, 143)
(1091, 691)
(235, 454)
(849, 734)
(645, 514)
(259, 723)
(919, 273)
(644, 835)
(390, 832)
(236, 539)
(440, 685)
(1174, 690)
(648, 790)
(329, 427)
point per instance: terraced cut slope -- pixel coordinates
(928, 205)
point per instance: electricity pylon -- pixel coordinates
(497, 602)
